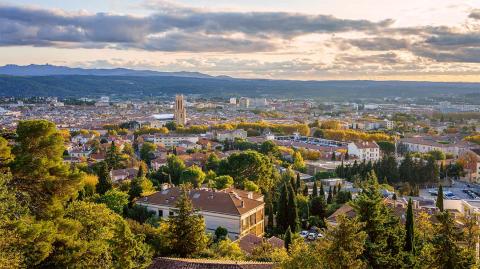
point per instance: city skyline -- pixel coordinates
(411, 40)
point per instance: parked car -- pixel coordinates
(304, 234)
(312, 236)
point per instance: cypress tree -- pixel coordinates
(322, 191)
(334, 190)
(270, 217)
(299, 182)
(141, 173)
(104, 181)
(292, 216)
(293, 183)
(315, 189)
(439, 203)
(330, 196)
(339, 187)
(305, 191)
(409, 232)
(288, 238)
(282, 210)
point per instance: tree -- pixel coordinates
(330, 196)
(439, 202)
(345, 244)
(5, 153)
(298, 163)
(221, 233)
(113, 158)
(250, 186)
(213, 162)
(146, 152)
(270, 216)
(226, 249)
(282, 209)
(115, 200)
(318, 207)
(104, 181)
(93, 236)
(384, 243)
(322, 191)
(249, 165)
(409, 230)
(38, 168)
(446, 253)
(298, 183)
(288, 238)
(194, 175)
(269, 148)
(175, 167)
(292, 215)
(315, 189)
(186, 232)
(222, 182)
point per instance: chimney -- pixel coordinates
(250, 195)
(242, 204)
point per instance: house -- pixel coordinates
(364, 150)
(79, 153)
(231, 135)
(249, 242)
(170, 140)
(238, 211)
(159, 162)
(123, 174)
(471, 164)
(445, 144)
(82, 138)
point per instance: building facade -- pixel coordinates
(180, 111)
(364, 150)
(240, 212)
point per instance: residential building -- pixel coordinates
(240, 212)
(231, 135)
(170, 140)
(364, 150)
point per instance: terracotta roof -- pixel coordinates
(250, 241)
(366, 144)
(175, 263)
(223, 202)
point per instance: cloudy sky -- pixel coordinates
(436, 40)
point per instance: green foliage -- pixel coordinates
(318, 207)
(269, 148)
(146, 152)
(288, 238)
(345, 244)
(439, 202)
(213, 162)
(221, 233)
(38, 168)
(222, 182)
(175, 167)
(5, 153)
(193, 175)
(104, 181)
(409, 230)
(113, 157)
(226, 249)
(249, 165)
(115, 200)
(250, 186)
(186, 231)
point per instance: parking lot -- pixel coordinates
(459, 190)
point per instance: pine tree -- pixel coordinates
(186, 229)
(330, 196)
(384, 243)
(439, 202)
(104, 181)
(315, 189)
(288, 238)
(409, 229)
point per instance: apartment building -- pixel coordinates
(240, 212)
(364, 150)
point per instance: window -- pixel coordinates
(170, 213)
(160, 213)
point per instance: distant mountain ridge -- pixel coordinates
(54, 70)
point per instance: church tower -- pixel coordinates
(180, 111)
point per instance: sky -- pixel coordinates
(432, 40)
